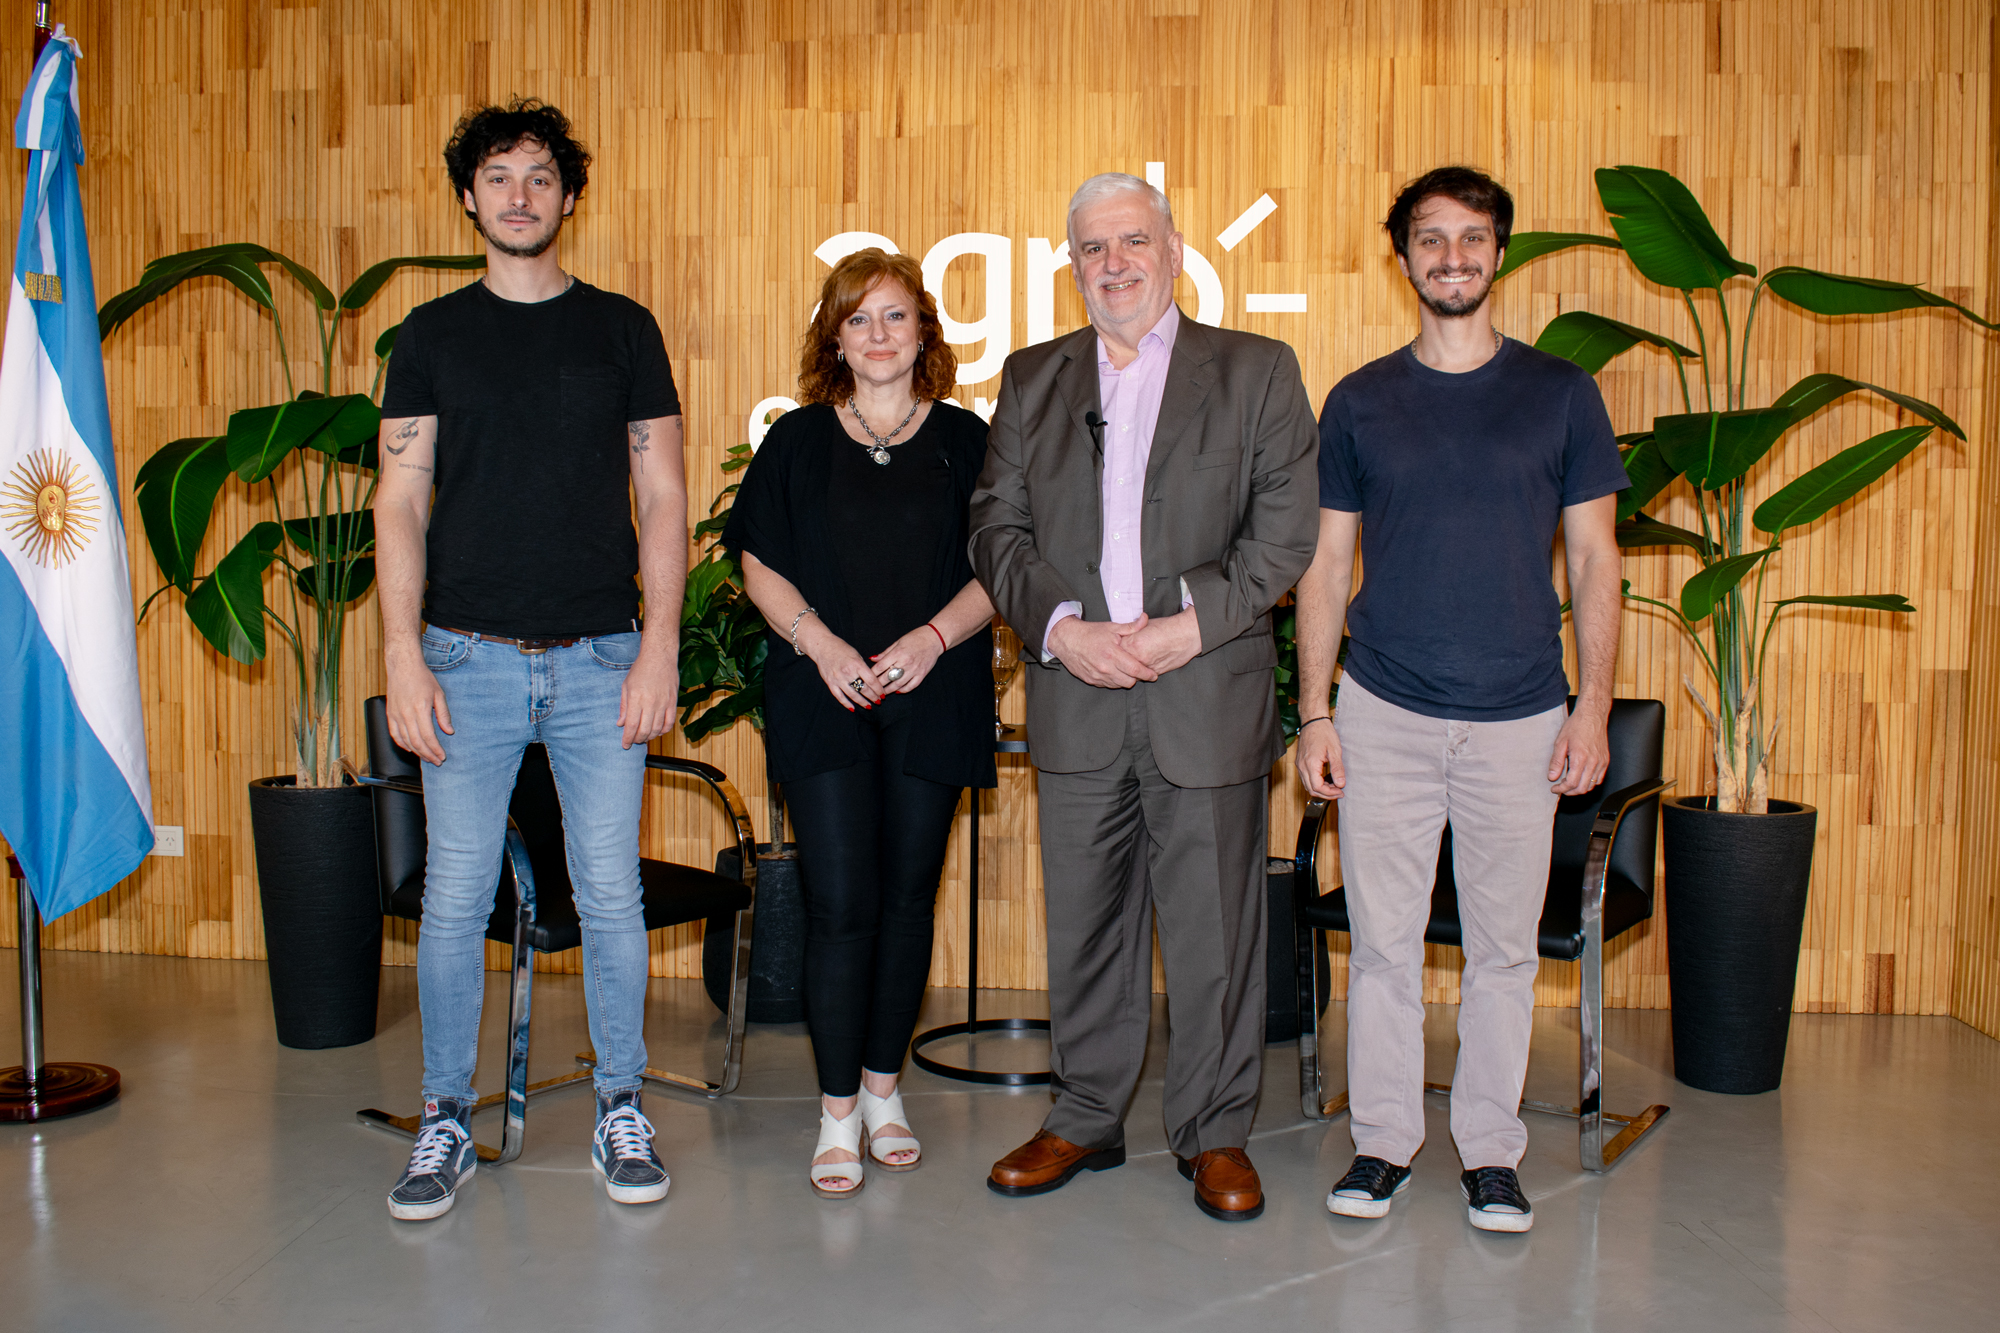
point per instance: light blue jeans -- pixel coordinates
(502, 699)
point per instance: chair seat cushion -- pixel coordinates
(1560, 935)
(673, 895)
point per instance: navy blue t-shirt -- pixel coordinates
(1460, 481)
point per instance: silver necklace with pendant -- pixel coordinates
(879, 451)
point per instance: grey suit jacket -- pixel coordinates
(1232, 506)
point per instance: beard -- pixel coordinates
(1451, 302)
(524, 249)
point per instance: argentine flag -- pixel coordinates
(75, 800)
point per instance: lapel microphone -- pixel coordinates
(1096, 424)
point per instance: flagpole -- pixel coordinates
(43, 29)
(34, 1089)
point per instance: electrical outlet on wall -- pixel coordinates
(168, 840)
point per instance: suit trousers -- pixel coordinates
(1123, 849)
(1407, 774)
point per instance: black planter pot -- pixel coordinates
(1736, 904)
(777, 939)
(317, 880)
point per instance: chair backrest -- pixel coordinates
(400, 832)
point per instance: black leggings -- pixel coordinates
(871, 849)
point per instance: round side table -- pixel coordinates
(1007, 740)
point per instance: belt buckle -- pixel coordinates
(531, 647)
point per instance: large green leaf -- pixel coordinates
(176, 491)
(1664, 229)
(362, 290)
(1870, 601)
(1592, 340)
(360, 576)
(1526, 246)
(386, 342)
(1700, 593)
(747, 702)
(1713, 449)
(228, 606)
(1639, 532)
(1848, 472)
(1839, 294)
(236, 264)
(261, 437)
(1647, 470)
(333, 535)
(1813, 392)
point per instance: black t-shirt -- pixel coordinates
(1460, 481)
(531, 530)
(880, 516)
(787, 514)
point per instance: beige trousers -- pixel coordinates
(1407, 774)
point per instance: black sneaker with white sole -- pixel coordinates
(622, 1150)
(1493, 1199)
(443, 1158)
(1368, 1188)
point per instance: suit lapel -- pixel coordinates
(1076, 382)
(1189, 374)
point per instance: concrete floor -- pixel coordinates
(231, 1188)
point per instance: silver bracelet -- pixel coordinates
(809, 611)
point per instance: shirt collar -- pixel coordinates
(1161, 335)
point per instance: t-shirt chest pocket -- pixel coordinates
(592, 401)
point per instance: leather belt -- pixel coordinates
(525, 645)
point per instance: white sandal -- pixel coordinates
(878, 1113)
(844, 1134)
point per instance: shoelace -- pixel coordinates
(625, 1132)
(1369, 1176)
(436, 1143)
(1493, 1185)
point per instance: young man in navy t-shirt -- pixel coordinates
(1455, 459)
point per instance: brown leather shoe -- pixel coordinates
(1046, 1162)
(1225, 1184)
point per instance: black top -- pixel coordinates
(888, 594)
(788, 515)
(1460, 481)
(531, 531)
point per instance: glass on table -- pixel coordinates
(1006, 665)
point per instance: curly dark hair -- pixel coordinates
(823, 376)
(487, 130)
(1467, 185)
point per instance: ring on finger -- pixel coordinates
(895, 674)
(855, 683)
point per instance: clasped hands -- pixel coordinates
(1117, 656)
(855, 681)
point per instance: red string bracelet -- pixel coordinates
(940, 633)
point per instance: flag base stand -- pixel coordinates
(33, 1089)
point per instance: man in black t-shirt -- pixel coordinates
(543, 413)
(1454, 459)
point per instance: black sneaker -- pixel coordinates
(622, 1150)
(1367, 1188)
(443, 1158)
(1493, 1199)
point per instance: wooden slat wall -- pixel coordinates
(732, 138)
(1977, 956)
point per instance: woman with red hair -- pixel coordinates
(878, 704)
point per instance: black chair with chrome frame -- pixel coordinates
(535, 912)
(1600, 886)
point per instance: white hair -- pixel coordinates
(1106, 184)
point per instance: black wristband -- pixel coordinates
(1323, 717)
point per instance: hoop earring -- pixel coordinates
(840, 354)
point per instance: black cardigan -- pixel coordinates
(780, 517)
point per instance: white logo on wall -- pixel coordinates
(995, 329)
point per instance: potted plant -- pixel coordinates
(723, 647)
(315, 451)
(1737, 863)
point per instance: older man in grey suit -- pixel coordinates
(1148, 496)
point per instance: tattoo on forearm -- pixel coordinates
(406, 434)
(641, 431)
(413, 467)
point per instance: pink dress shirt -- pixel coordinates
(1130, 401)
